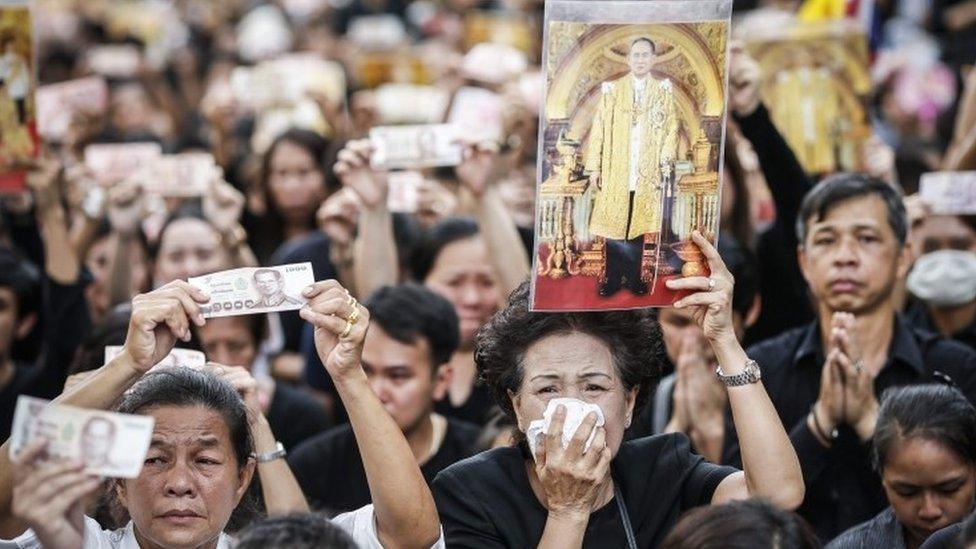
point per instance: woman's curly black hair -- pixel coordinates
(634, 339)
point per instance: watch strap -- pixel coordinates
(278, 453)
(751, 374)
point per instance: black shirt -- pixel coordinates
(330, 470)
(68, 324)
(842, 488)
(295, 416)
(918, 315)
(487, 501)
(475, 410)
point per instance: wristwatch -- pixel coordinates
(750, 374)
(278, 453)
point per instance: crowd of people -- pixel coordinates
(394, 408)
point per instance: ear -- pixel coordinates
(442, 382)
(801, 259)
(904, 261)
(631, 401)
(516, 401)
(753, 314)
(120, 493)
(25, 325)
(244, 478)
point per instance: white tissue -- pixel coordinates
(576, 412)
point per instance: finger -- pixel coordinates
(577, 443)
(700, 283)
(334, 305)
(54, 485)
(190, 307)
(540, 450)
(707, 299)
(335, 325)
(30, 453)
(199, 295)
(320, 287)
(555, 431)
(49, 471)
(715, 262)
(73, 494)
(592, 455)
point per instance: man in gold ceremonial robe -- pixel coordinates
(632, 146)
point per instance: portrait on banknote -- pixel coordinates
(816, 83)
(18, 128)
(630, 144)
(270, 285)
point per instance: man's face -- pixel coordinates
(851, 259)
(942, 232)
(641, 58)
(403, 377)
(97, 440)
(267, 284)
(228, 340)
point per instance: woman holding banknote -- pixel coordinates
(584, 486)
(207, 443)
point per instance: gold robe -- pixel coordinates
(608, 153)
(805, 105)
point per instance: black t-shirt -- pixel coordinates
(330, 470)
(295, 416)
(475, 410)
(487, 501)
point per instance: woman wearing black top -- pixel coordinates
(609, 494)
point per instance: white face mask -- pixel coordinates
(576, 412)
(945, 278)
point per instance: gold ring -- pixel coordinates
(346, 330)
(354, 317)
(350, 300)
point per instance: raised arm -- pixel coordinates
(60, 260)
(280, 489)
(479, 171)
(158, 319)
(770, 465)
(402, 502)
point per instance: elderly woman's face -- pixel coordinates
(189, 247)
(573, 365)
(190, 482)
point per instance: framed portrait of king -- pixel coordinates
(630, 149)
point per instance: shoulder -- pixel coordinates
(876, 532)
(773, 351)
(664, 454)
(486, 467)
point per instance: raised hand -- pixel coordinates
(223, 204)
(860, 403)
(338, 216)
(340, 327)
(45, 180)
(571, 477)
(158, 319)
(50, 497)
(479, 166)
(126, 207)
(711, 304)
(353, 169)
(245, 385)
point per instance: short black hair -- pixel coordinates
(295, 531)
(744, 267)
(935, 412)
(23, 278)
(409, 311)
(188, 387)
(645, 39)
(264, 270)
(741, 524)
(634, 339)
(842, 187)
(435, 239)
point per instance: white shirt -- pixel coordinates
(359, 524)
(15, 73)
(640, 84)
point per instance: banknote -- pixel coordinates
(109, 444)
(254, 290)
(179, 175)
(111, 163)
(187, 358)
(401, 103)
(477, 113)
(426, 146)
(403, 192)
(57, 104)
(949, 193)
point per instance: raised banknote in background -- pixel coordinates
(187, 358)
(478, 114)
(112, 163)
(59, 104)
(108, 444)
(949, 193)
(405, 147)
(254, 290)
(179, 175)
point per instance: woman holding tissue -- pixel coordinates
(584, 375)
